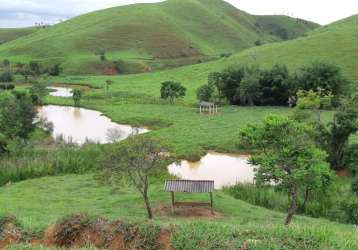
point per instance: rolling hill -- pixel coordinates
(336, 43)
(145, 37)
(7, 35)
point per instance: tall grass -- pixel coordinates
(336, 203)
(34, 163)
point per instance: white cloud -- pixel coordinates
(18, 13)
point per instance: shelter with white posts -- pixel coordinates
(208, 107)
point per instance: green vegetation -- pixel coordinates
(7, 35)
(163, 35)
(289, 157)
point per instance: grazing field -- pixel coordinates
(71, 194)
(144, 37)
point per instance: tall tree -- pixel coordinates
(288, 157)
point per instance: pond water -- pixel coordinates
(224, 169)
(60, 91)
(79, 125)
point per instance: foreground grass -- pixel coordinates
(38, 203)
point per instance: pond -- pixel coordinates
(79, 125)
(224, 169)
(60, 91)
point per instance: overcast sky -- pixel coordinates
(22, 13)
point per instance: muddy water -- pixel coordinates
(79, 125)
(60, 91)
(224, 169)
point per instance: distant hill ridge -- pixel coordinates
(145, 37)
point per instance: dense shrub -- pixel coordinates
(205, 92)
(6, 77)
(7, 86)
(55, 70)
(172, 90)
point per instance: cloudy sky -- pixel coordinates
(22, 13)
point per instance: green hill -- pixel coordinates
(145, 37)
(7, 35)
(336, 43)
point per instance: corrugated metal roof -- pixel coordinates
(189, 186)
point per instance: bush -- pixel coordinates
(350, 208)
(205, 93)
(6, 77)
(172, 90)
(55, 70)
(7, 86)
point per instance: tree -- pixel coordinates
(137, 158)
(6, 63)
(276, 86)
(37, 92)
(77, 96)
(35, 68)
(108, 83)
(172, 91)
(344, 124)
(55, 70)
(6, 77)
(205, 92)
(321, 76)
(17, 115)
(249, 90)
(288, 156)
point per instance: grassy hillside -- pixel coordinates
(7, 35)
(336, 43)
(144, 37)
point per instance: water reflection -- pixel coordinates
(224, 169)
(79, 125)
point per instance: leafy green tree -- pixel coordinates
(55, 70)
(138, 159)
(288, 157)
(37, 92)
(250, 90)
(344, 124)
(6, 63)
(35, 68)
(172, 91)
(205, 92)
(321, 76)
(276, 86)
(17, 115)
(6, 77)
(77, 96)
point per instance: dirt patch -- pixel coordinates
(78, 231)
(188, 211)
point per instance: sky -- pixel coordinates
(24, 13)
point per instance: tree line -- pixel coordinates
(251, 85)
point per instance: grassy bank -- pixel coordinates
(66, 195)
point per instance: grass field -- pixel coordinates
(151, 36)
(40, 202)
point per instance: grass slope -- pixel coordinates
(7, 35)
(40, 202)
(151, 36)
(336, 43)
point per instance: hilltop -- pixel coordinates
(146, 37)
